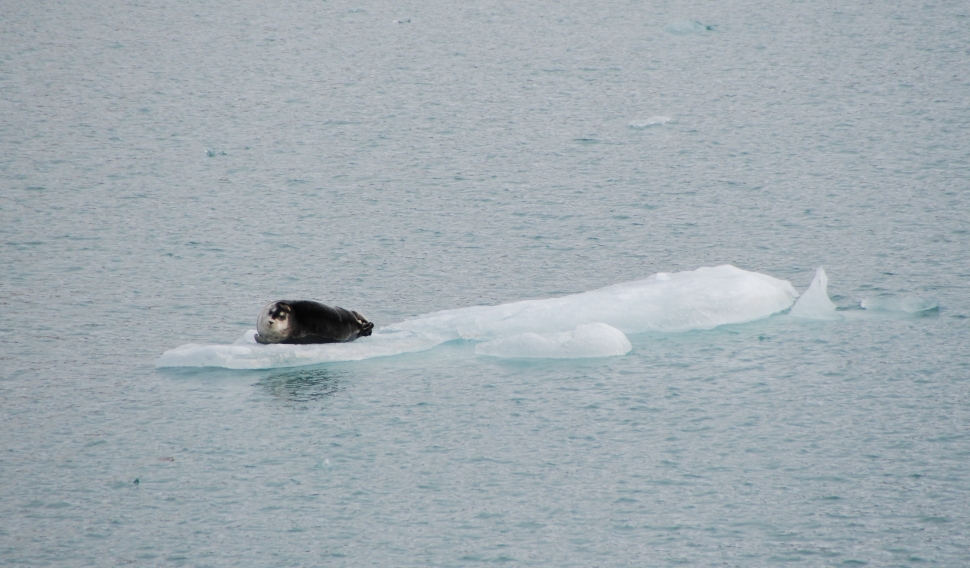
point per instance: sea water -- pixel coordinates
(511, 192)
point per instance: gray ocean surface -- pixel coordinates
(166, 168)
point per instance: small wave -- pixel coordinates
(683, 27)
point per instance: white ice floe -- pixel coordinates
(683, 301)
(815, 302)
(553, 327)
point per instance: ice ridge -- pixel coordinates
(815, 302)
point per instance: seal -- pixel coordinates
(305, 321)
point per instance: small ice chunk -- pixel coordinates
(642, 123)
(587, 340)
(906, 304)
(815, 302)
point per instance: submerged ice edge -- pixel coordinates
(906, 304)
(588, 324)
(592, 340)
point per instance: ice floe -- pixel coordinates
(588, 324)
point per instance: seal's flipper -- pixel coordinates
(365, 326)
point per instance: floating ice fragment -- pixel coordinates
(815, 302)
(587, 340)
(906, 304)
(682, 27)
(642, 123)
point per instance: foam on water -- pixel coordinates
(815, 302)
(554, 327)
(587, 340)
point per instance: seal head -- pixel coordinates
(273, 323)
(305, 321)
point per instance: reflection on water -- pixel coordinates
(304, 385)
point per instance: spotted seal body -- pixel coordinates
(304, 321)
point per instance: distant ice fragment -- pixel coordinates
(683, 27)
(906, 304)
(586, 341)
(815, 302)
(642, 123)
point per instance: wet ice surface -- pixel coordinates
(167, 169)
